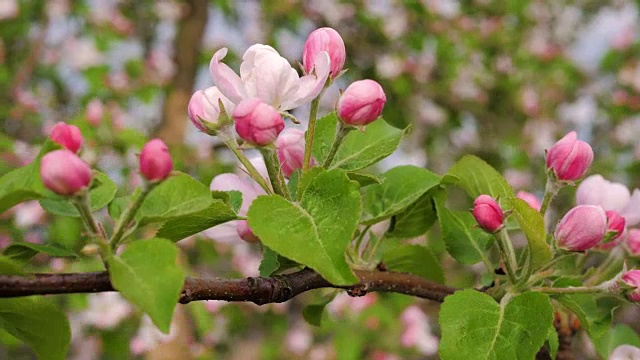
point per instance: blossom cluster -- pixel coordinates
(256, 102)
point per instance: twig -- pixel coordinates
(259, 290)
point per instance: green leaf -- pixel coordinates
(24, 251)
(118, 206)
(474, 326)
(532, 224)
(101, 193)
(464, 240)
(24, 183)
(9, 266)
(179, 228)
(313, 313)
(232, 197)
(415, 220)
(619, 335)
(359, 149)
(37, 322)
(177, 196)
(553, 341)
(477, 177)
(317, 230)
(414, 259)
(146, 274)
(363, 179)
(269, 263)
(592, 318)
(306, 179)
(402, 186)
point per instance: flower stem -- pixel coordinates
(83, 204)
(311, 132)
(231, 143)
(129, 213)
(275, 175)
(342, 131)
(616, 255)
(551, 189)
(507, 253)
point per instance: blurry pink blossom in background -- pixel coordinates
(417, 331)
(106, 310)
(596, 190)
(9, 9)
(149, 336)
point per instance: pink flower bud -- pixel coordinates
(257, 122)
(290, 145)
(204, 106)
(633, 241)
(64, 173)
(570, 158)
(155, 160)
(361, 103)
(488, 213)
(632, 278)
(324, 39)
(68, 136)
(94, 112)
(615, 223)
(581, 228)
(530, 199)
(245, 232)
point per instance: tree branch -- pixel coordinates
(259, 290)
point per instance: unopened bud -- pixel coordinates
(582, 228)
(361, 103)
(155, 160)
(632, 278)
(488, 213)
(257, 122)
(569, 158)
(290, 145)
(324, 39)
(530, 199)
(64, 173)
(69, 136)
(245, 232)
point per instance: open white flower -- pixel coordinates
(267, 75)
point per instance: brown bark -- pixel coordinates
(187, 50)
(259, 290)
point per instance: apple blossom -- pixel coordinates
(257, 122)
(64, 173)
(633, 241)
(328, 40)
(155, 160)
(569, 158)
(530, 199)
(488, 213)
(267, 75)
(94, 112)
(596, 190)
(581, 228)
(204, 107)
(69, 136)
(632, 278)
(361, 103)
(290, 145)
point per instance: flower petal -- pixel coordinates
(631, 212)
(310, 85)
(227, 81)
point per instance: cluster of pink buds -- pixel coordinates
(256, 99)
(64, 173)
